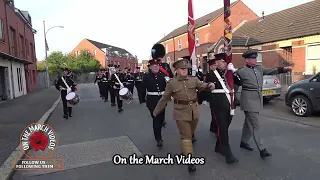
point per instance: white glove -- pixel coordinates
(231, 67)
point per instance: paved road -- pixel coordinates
(16, 114)
(88, 141)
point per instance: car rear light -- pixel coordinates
(276, 81)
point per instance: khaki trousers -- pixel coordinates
(186, 129)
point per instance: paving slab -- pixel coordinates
(295, 147)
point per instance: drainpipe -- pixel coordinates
(174, 50)
(12, 82)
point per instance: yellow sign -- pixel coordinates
(268, 92)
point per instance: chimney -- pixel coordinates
(262, 15)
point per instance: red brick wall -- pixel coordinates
(101, 57)
(212, 33)
(22, 28)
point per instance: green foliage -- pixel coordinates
(314, 69)
(82, 63)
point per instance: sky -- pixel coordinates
(134, 25)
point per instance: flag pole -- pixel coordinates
(228, 51)
(191, 38)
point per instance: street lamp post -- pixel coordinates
(46, 49)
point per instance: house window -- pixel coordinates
(166, 48)
(19, 79)
(95, 52)
(197, 39)
(179, 44)
(313, 52)
(13, 41)
(27, 47)
(259, 58)
(32, 52)
(22, 46)
(1, 31)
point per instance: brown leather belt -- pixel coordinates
(184, 102)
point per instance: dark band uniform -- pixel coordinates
(112, 90)
(186, 110)
(138, 83)
(251, 101)
(130, 80)
(98, 80)
(105, 84)
(220, 109)
(60, 85)
(155, 85)
(116, 87)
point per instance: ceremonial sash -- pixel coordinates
(164, 71)
(224, 87)
(68, 87)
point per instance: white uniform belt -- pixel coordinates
(116, 83)
(219, 91)
(155, 93)
(138, 80)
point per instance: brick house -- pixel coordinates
(290, 36)
(18, 69)
(106, 54)
(208, 30)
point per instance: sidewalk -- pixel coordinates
(16, 114)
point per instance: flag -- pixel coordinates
(47, 47)
(228, 51)
(191, 38)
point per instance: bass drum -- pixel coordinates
(73, 98)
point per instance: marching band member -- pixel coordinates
(155, 84)
(98, 80)
(186, 110)
(251, 101)
(112, 90)
(116, 87)
(138, 83)
(220, 100)
(105, 84)
(62, 85)
(130, 79)
(158, 52)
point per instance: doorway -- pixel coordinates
(4, 84)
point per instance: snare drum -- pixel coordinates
(125, 94)
(73, 98)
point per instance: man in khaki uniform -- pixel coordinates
(186, 110)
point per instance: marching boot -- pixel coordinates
(230, 159)
(191, 168)
(193, 139)
(159, 144)
(113, 104)
(65, 116)
(120, 110)
(246, 146)
(264, 153)
(187, 148)
(70, 111)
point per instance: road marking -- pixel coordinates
(7, 168)
(90, 153)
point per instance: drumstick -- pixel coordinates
(118, 80)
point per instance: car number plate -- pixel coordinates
(268, 92)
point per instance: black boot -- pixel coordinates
(106, 100)
(191, 168)
(264, 153)
(159, 144)
(70, 111)
(246, 146)
(65, 116)
(193, 139)
(120, 110)
(230, 159)
(113, 104)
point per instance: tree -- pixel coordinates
(82, 63)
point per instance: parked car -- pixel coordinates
(271, 88)
(303, 97)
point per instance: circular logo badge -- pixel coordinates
(38, 141)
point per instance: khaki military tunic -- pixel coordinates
(182, 89)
